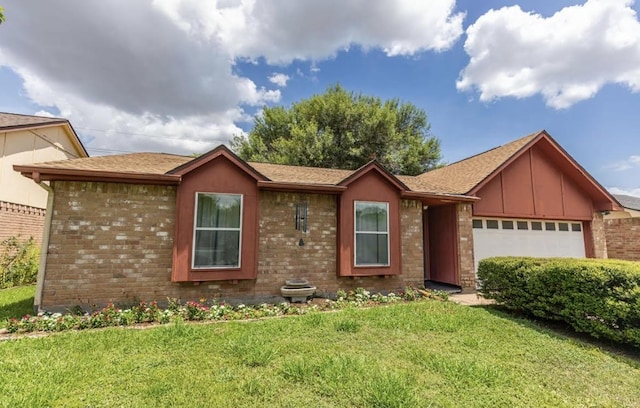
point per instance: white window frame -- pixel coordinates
(356, 232)
(196, 228)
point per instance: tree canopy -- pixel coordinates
(1, 15)
(341, 129)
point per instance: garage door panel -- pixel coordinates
(547, 241)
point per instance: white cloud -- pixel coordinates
(282, 31)
(115, 130)
(566, 57)
(279, 79)
(635, 192)
(160, 75)
(630, 163)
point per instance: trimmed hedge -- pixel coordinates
(596, 296)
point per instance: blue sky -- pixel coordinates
(184, 76)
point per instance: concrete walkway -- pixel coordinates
(470, 299)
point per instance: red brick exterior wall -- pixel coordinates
(109, 242)
(113, 243)
(623, 238)
(21, 221)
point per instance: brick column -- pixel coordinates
(465, 247)
(412, 242)
(599, 236)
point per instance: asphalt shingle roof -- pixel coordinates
(461, 177)
(13, 120)
(298, 174)
(457, 178)
(627, 201)
(135, 163)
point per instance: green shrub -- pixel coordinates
(18, 262)
(595, 296)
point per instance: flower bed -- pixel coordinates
(202, 310)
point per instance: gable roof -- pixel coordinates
(374, 166)
(461, 177)
(468, 176)
(14, 121)
(629, 202)
(457, 181)
(168, 169)
(220, 151)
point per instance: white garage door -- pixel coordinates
(538, 238)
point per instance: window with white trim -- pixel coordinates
(218, 230)
(371, 233)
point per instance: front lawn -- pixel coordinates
(16, 302)
(426, 353)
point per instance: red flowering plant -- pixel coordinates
(149, 313)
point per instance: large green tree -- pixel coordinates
(1, 15)
(341, 129)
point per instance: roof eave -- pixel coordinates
(75, 139)
(28, 126)
(39, 174)
(286, 186)
(447, 198)
(66, 125)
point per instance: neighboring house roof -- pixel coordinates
(629, 202)
(461, 177)
(13, 121)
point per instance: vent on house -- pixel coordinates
(301, 217)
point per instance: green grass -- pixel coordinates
(407, 355)
(16, 302)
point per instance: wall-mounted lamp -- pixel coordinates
(301, 217)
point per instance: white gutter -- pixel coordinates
(44, 249)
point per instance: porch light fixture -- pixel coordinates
(301, 216)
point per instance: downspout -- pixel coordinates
(44, 249)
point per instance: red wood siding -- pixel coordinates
(533, 186)
(443, 248)
(371, 186)
(219, 175)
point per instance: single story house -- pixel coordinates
(30, 139)
(148, 226)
